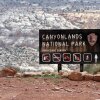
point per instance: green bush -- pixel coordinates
(92, 68)
(51, 76)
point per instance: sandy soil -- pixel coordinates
(48, 89)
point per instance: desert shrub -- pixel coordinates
(92, 68)
(51, 76)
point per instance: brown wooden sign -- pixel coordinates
(72, 46)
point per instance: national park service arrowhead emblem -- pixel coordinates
(92, 39)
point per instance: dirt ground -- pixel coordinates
(48, 89)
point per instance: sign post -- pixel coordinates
(59, 67)
(81, 67)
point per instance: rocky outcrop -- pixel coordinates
(88, 77)
(75, 76)
(79, 76)
(30, 74)
(19, 38)
(7, 72)
(63, 74)
(96, 77)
